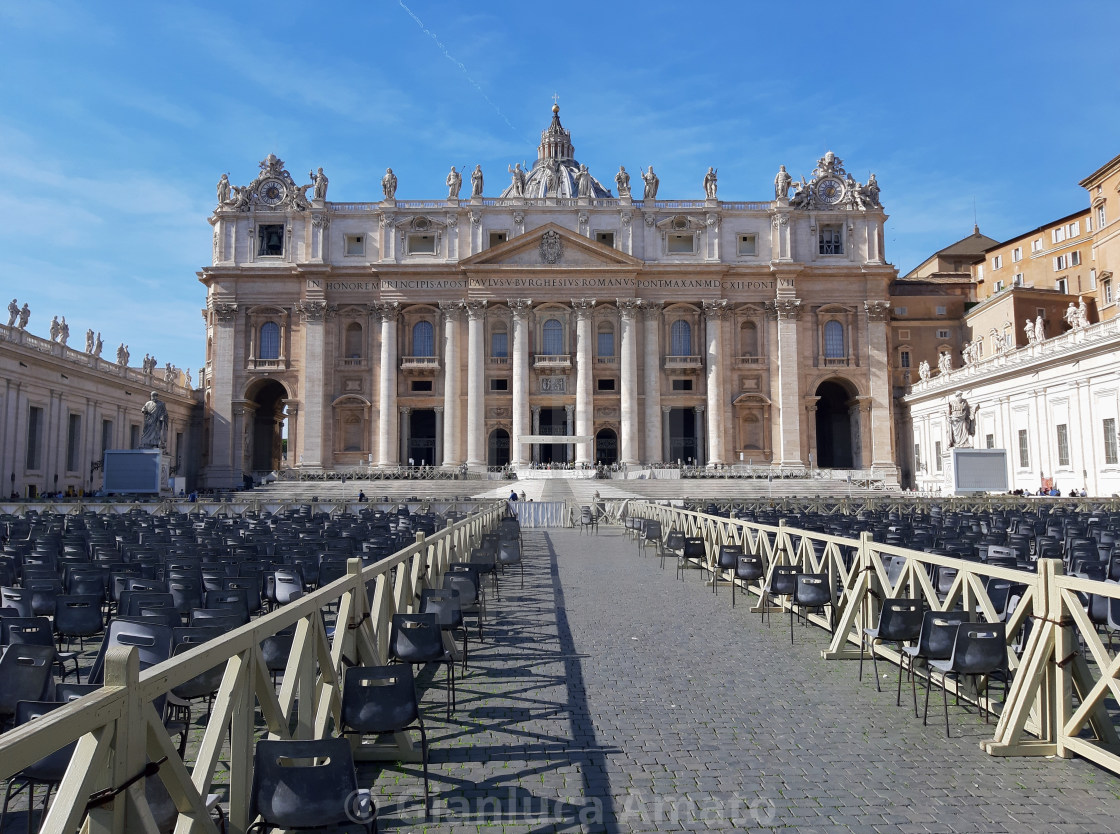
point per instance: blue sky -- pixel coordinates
(117, 119)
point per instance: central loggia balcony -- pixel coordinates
(420, 365)
(690, 364)
(552, 360)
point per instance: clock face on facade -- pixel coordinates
(830, 190)
(271, 192)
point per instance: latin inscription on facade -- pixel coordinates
(559, 283)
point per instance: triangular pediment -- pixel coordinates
(551, 247)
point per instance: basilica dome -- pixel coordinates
(556, 171)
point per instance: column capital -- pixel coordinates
(536, 409)
(224, 312)
(877, 310)
(315, 310)
(665, 409)
(438, 409)
(451, 310)
(651, 310)
(628, 307)
(405, 410)
(387, 310)
(699, 409)
(715, 308)
(519, 306)
(785, 308)
(583, 307)
(476, 309)
(569, 409)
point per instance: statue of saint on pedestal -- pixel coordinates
(710, 184)
(454, 183)
(389, 184)
(962, 422)
(782, 183)
(651, 182)
(622, 180)
(154, 434)
(476, 181)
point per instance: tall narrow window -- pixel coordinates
(605, 346)
(680, 338)
(834, 340)
(937, 455)
(270, 341)
(106, 435)
(74, 443)
(1063, 444)
(34, 437)
(423, 339)
(353, 347)
(499, 344)
(553, 341)
(748, 338)
(1024, 450)
(1109, 424)
(831, 239)
(918, 457)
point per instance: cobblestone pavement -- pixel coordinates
(609, 696)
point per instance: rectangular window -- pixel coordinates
(1024, 450)
(980, 272)
(748, 244)
(499, 345)
(942, 334)
(998, 287)
(904, 359)
(605, 238)
(1036, 245)
(499, 384)
(900, 311)
(941, 309)
(917, 457)
(1109, 424)
(605, 347)
(421, 244)
(1062, 285)
(1093, 278)
(1106, 290)
(1061, 262)
(1075, 228)
(134, 436)
(937, 455)
(74, 443)
(989, 441)
(681, 244)
(1017, 254)
(1101, 221)
(421, 385)
(271, 237)
(605, 384)
(1018, 279)
(831, 239)
(497, 238)
(1075, 258)
(355, 244)
(1063, 444)
(682, 384)
(106, 435)
(34, 437)
(997, 261)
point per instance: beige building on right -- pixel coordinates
(1103, 186)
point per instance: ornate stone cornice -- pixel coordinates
(224, 312)
(315, 310)
(628, 307)
(520, 307)
(877, 310)
(476, 310)
(715, 308)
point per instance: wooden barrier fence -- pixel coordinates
(118, 731)
(1063, 674)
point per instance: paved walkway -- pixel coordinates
(611, 697)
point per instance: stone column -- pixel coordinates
(585, 372)
(666, 450)
(788, 311)
(699, 425)
(654, 451)
(714, 313)
(406, 413)
(882, 462)
(315, 315)
(437, 456)
(627, 453)
(223, 470)
(520, 308)
(448, 431)
(387, 451)
(536, 430)
(291, 408)
(476, 385)
(569, 411)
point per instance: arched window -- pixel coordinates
(748, 339)
(680, 338)
(605, 346)
(834, 340)
(353, 347)
(423, 339)
(270, 341)
(553, 342)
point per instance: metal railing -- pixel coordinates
(118, 731)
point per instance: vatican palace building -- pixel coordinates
(557, 319)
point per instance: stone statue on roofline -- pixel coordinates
(98, 345)
(319, 183)
(1028, 330)
(944, 362)
(89, 340)
(782, 183)
(923, 371)
(652, 182)
(55, 329)
(476, 181)
(710, 184)
(583, 182)
(389, 184)
(63, 331)
(517, 180)
(622, 180)
(13, 312)
(1040, 328)
(223, 190)
(24, 316)
(454, 183)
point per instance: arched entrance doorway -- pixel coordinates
(835, 427)
(497, 449)
(267, 431)
(606, 447)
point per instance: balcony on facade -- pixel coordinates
(691, 364)
(750, 361)
(833, 362)
(552, 360)
(267, 364)
(420, 365)
(499, 361)
(352, 362)
(607, 361)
